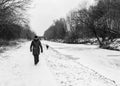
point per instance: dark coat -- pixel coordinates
(36, 46)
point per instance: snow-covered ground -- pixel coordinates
(17, 68)
(104, 62)
(60, 65)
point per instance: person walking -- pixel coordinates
(35, 48)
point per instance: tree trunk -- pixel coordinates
(95, 33)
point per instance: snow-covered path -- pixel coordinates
(17, 69)
(54, 69)
(70, 73)
(96, 64)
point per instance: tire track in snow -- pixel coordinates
(70, 73)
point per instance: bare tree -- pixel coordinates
(82, 17)
(103, 20)
(13, 20)
(12, 11)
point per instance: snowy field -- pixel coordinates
(60, 65)
(105, 63)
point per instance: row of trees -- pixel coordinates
(57, 31)
(13, 19)
(100, 21)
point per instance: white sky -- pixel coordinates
(45, 11)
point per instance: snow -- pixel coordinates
(69, 73)
(17, 69)
(104, 62)
(60, 65)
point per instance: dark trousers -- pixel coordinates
(36, 59)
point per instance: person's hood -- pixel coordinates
(36, 39)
